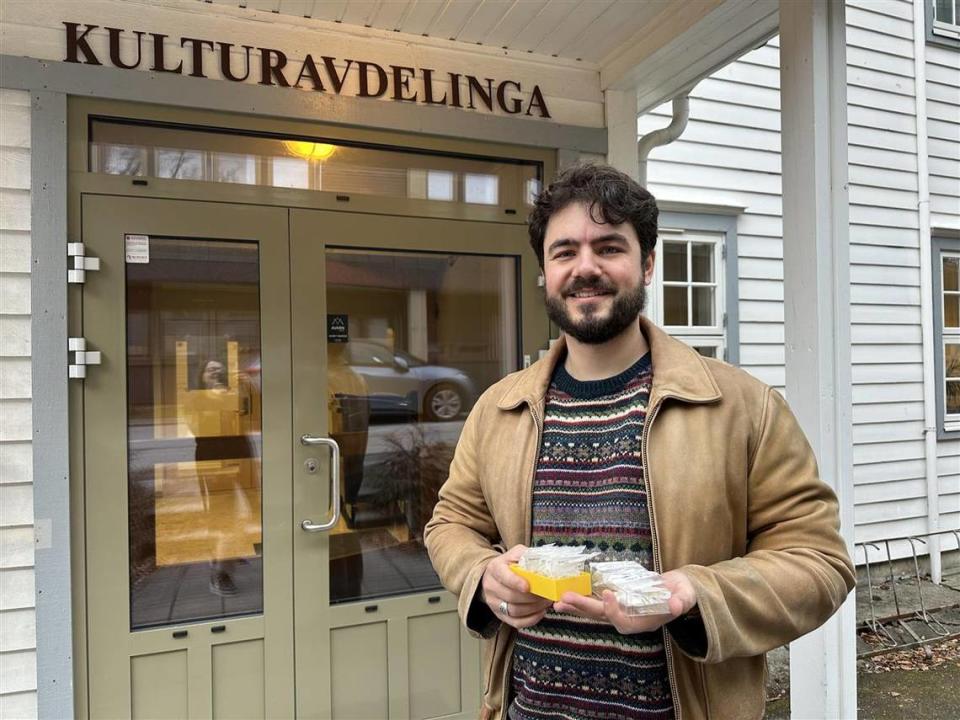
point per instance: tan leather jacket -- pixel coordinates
(735, 502)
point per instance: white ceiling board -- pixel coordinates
(452, 19)
(521, 14)
(360, 12)
(330, 10)
(392, 14)
(421, 16)
(573, 26)
(300, 8)
(618, 24)
(489, 13)
(264, 5)
(545, 22)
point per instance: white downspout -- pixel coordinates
(663, 136)
(926, 289)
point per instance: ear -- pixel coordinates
(648, 267)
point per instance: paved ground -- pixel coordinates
(903, 684)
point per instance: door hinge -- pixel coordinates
(81, 357)
(81, 263)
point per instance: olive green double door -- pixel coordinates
(278, 396)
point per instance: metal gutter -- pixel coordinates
(663, 136)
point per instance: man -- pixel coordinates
(628, 441)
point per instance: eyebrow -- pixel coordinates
(564, 242)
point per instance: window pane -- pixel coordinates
(951, 364)
(702, 260)
(951, 311)
(703, 308)
(675, 306)
(480, 189)
(114, 159)
(425, 334)
(706, 350)
(951, 268)
(943, 11)
(232, 168)
(439, 185)
(953, 397)
(193, 373)
(180, 164)
(291, 173)
(674, 262)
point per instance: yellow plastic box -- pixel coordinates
(553, 588)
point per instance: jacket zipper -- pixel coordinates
(527, 496)
(657, 563)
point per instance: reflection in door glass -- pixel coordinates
(414, 339)
(193, 376)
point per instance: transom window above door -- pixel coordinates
(173, 152)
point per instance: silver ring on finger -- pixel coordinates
(504, 608)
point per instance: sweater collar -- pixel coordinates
(679, 372)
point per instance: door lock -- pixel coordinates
(311, 465)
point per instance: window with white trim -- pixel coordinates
(949, 382)
(946, 18)
(688, 298)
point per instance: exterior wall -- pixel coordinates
(730, 154)
(18, 681)
(943, 143)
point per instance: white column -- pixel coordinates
(823, 678)
(620, 108)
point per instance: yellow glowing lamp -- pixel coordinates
(310, 150)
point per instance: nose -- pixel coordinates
(587, 263)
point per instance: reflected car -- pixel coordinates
(401, 386)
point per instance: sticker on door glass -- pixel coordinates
(137, 248)
(337, 329)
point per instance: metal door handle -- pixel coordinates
(308, 524)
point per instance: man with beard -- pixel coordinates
(629, 442)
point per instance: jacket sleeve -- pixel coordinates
(461, 534)
(796, 571)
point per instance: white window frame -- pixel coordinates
(699, 335)
(949, 336)
(942, 28)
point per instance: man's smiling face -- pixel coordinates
(595, 276)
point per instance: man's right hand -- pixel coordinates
(501, 585)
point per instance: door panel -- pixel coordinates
(414, 318)
(187, 453)
(229, 332)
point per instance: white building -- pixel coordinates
(252, 98)
(904, 149)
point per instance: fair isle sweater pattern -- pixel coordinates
(589, 490)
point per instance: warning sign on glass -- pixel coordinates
(337, 329)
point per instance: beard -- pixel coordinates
(591, 329)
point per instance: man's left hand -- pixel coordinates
(683, 597)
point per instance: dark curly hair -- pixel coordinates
(611, 196)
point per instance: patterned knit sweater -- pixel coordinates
(589, 490)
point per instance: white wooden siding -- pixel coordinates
(18, 672)
(943, 128)
(730, 153)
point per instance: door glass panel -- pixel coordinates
(193, 378)
(414, 338)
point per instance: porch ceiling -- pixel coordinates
(657, 47)
(584, 30)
